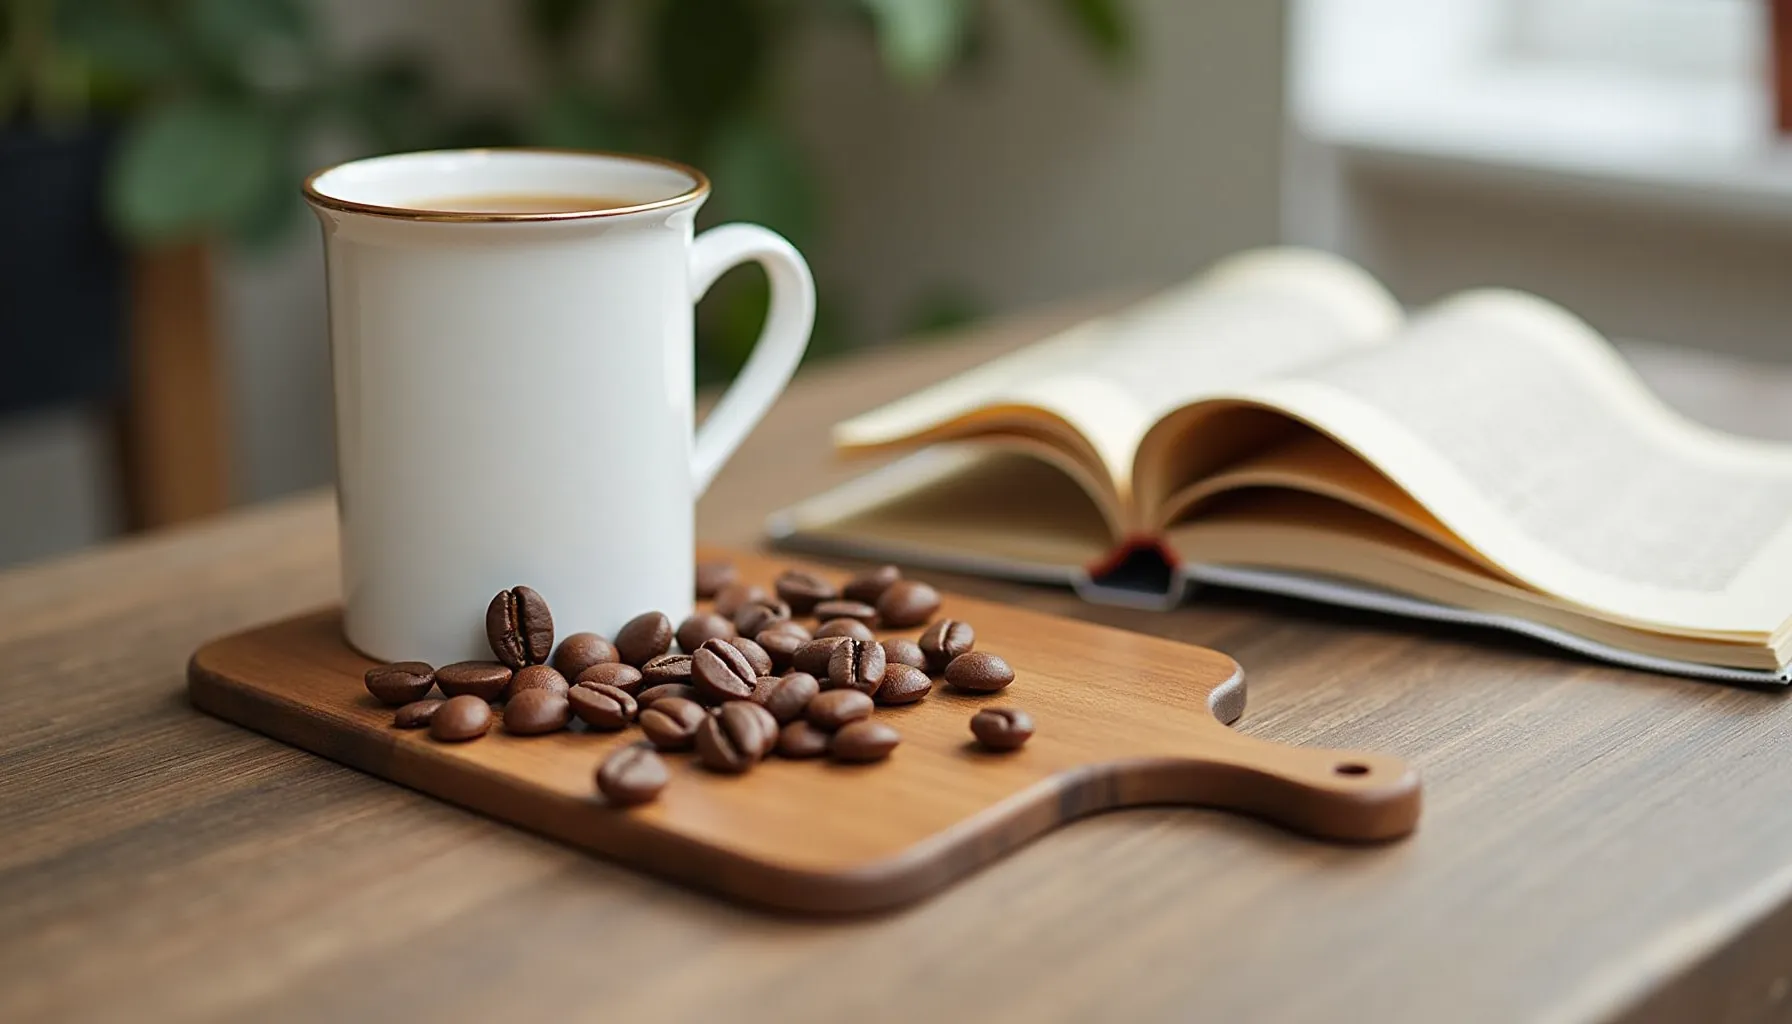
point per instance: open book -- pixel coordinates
(1279, 424)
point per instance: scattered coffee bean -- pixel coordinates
(702, 626)
(905, 652)
(868, 586)
(756, 655)
(903, 684)
(945, 640)
(829, 610)
(632, 775)
(626, 678)
(461, 718)
(483, 679)
(735, 738)
(780, 646)
(519, 627)
(735, 596)
(831, 709)
(863, 741)
(580, 651)
(761, 687)
(980, 671)
(803, 590)
(416, 714)
(671, 723)
(753, 618)
(536, 712)
(1002, 728)
(858, 665)
(844, 627)
(799, 739)
(602, 707)
(400, 682)
(812, 657)
(536, 677)
(667, 668)
(668, 691)
(907, 603)
(643, 638)
(721, 672)
(712, 577)
(786, 696)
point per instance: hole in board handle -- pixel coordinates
(1351, 768)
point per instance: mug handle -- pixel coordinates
(780, 345)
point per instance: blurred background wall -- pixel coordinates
(1035, 176)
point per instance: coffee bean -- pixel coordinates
(868, 586)
(780, 646)
(945, 640)
(400, 682)
(905, 652)
(828, 610)
(812, 657)
(712, 577)
(753, 618)
(700, 627)
(667, 668)
(461, 718)
(536, 677)
(643, 638)
(671, 723)
(803, 590)
(721, 672)
(483, 679)
(863, 741)
(668, 691)
(799, 739)
(858, 665)
(980, 671)
(907, 603)
(844, 627)
(903, 684)
(626, 678)
(735, 738)
(632, 775)
(519, 627)
(831, 709)
(536, 712)
(756, 655)
(416, 714)
(602, 707)
(580, 651)
(787, 696)
(1002, 728)
(735, 596)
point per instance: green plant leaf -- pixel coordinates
(710, 61)
(193, 166)
(1104, 24)
(941, 308)
(387, 100)
(269, 44)
(576, 118)
(759, 175)
(919, 39)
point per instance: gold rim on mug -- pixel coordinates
(699, 188)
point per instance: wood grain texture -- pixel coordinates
(1124, 720)
(1597, 844)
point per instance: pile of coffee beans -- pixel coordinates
(736, 683)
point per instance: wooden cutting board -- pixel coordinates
(1123, 720)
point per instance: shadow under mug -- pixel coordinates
(514, 391)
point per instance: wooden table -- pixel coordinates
(1597, 843)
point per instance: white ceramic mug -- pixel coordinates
(514, 391)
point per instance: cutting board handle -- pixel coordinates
(1349, 795)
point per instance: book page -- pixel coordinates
(1251, 317)
(1524, 433)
